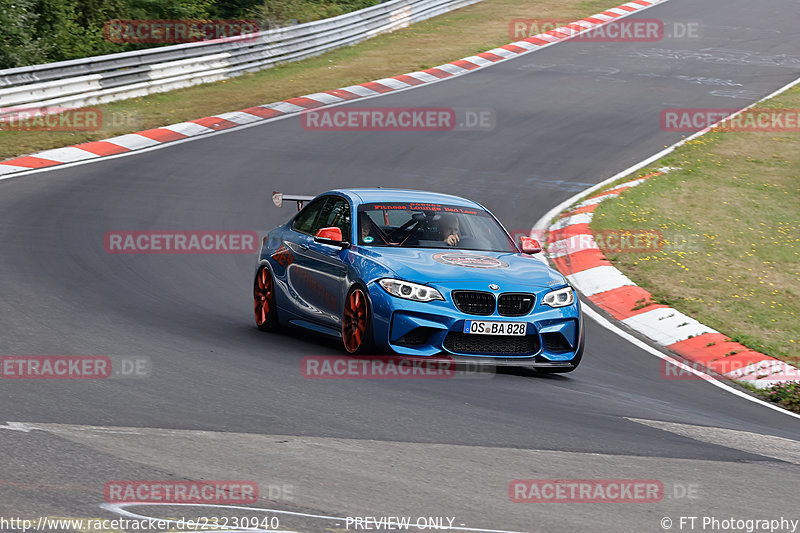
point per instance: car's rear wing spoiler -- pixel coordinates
(278, 198)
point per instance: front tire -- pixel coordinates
(357, 322)
(266, 312)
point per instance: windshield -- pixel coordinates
(422, 225)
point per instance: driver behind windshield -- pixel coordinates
(369, 234)
(431, 226)
(448, 229)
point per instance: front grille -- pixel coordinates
(515, 303)
(474, 302)
(465, 343)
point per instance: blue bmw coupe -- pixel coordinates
(419, 274)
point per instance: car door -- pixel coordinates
(317, 275)
(296, 241)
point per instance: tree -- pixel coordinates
(19, 45)
(170, 9)
(233, 9)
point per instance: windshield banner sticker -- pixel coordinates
(469, 260)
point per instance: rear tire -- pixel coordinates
(357, 322)
(266, 312)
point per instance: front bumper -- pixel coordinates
(407, 327)
(526, 362)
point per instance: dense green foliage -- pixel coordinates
(42, 31)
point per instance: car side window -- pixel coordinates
(335, 214)
(304, 222)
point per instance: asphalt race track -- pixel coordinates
(224, 401)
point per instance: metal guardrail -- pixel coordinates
(101, 79)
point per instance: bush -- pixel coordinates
(785, 394)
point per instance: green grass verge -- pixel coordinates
(464, 32)
(730, 215)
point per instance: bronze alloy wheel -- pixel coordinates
(355, 322)
(264, 300)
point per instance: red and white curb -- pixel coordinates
(573, 251)
(184, 130)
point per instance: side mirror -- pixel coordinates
(332, 236)
(530, 246)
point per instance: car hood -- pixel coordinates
(428, 265)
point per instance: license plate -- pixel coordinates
(480, 327)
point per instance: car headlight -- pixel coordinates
(410, 291)
(560, 297)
